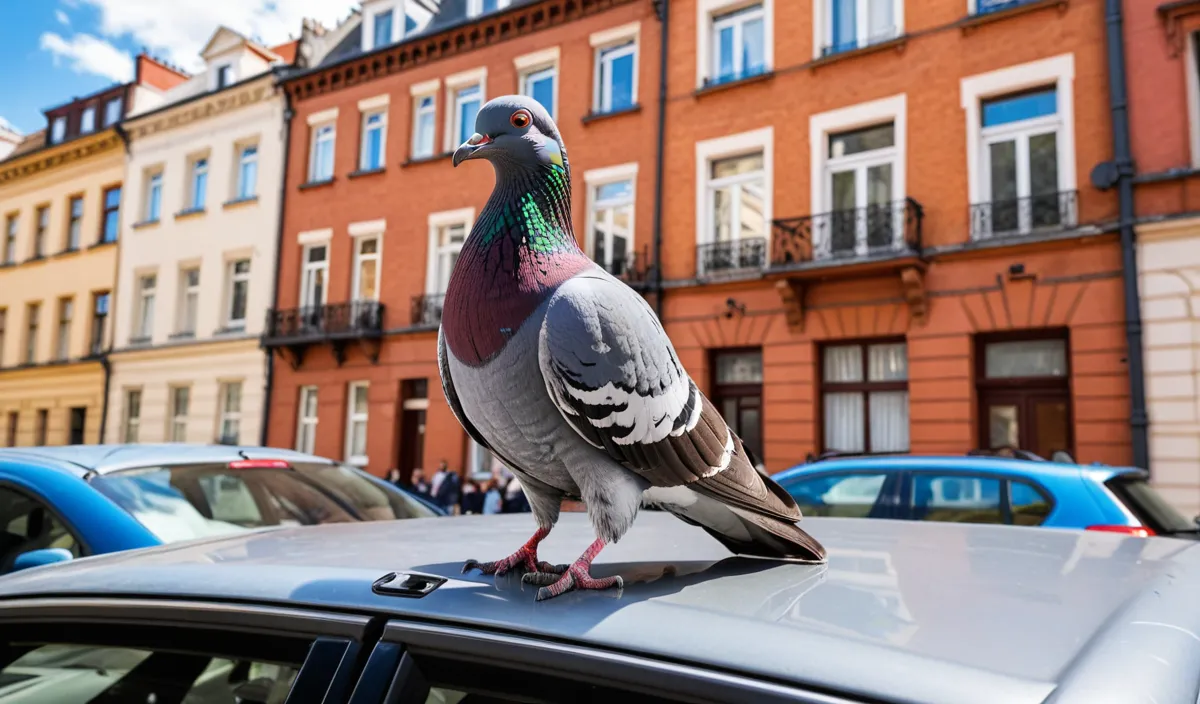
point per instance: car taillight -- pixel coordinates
(259, 464)
(1139, 531)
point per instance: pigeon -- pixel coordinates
(566, 375)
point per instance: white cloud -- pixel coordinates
(179, 29)
(62, 18)
(87, 54)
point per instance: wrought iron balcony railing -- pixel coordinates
(1047, 212)
(633, 268)
(349, 320)
(847, 234)
(731, 256)
(427, 309)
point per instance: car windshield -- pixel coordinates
(182, 502)
(1149, 506)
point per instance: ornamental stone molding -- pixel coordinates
(172, 117)
(58, 155)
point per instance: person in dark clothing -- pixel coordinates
(418, 485)
(472, 498)
(446, 486)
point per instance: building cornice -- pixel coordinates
(206, 106)
(467, 37)
(59, 155)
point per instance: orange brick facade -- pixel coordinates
(941, 301)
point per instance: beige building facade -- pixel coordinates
(196, 271)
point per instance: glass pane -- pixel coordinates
(750, 430)
(844, 190)
(1001, 111)
(841, 495)
(1050, 427)
(1026, 358)
(956, 499)
(233, 398)
(887, 362)
(732, 166)
(542, 90)
(360, 400)
(723, 214)
(880, 24)
(614, 191)
(845, 24)
(753, 60)
(739, 368)
(843, 227)
(230, 500)
(366, 280)
(752, 223)
(1043, 179)
(1003, 426)
(842, 364)
(1029, 507)
(358, 438)
(889, 421)
(843, 421)
(879, 184)
(622, 82)
(862, 140)
(725, 51)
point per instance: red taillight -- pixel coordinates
(1139, 531)
(259, 464)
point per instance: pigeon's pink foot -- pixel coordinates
(526, 557)
(577, 576)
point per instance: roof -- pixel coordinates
(103, 459)
(903, 611)
(982, 463)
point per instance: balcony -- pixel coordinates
(295, 329)
(731, 257)
(634, 268)
(1025, 217)
(877, 231)
(427, 309)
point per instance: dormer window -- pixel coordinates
(112, 111)
(224, 76)
(383, 28)
(482, 7)
(87, 122)
(58, 129)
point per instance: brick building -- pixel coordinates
(877, 230)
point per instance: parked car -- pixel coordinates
(62, 502)
(983, 489)
(372, 612)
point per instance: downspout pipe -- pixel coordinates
(662, 8)
(1124, 172)
(103, 357)
(288, 114)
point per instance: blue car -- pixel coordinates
(57, 503)
(1023, 492)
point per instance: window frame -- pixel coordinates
(58, 129)
(864, 387)
(593, 180)
(197, 184)
(3, 332)
(352, 417)
(232, 279)
(75, 222)
(176, 421)
(323, 131)
(891, 494)
(906, 507)
(99, 321)
(144, 315)
(365, 129)
(131, 425)
(41, 228)
(359, 259)
(152, 211)
(455, 85)
(823, 27)
(223, 76)
(66, 317)
(12, 233)
(306, 266)
(86, 125)
(110, 210)
(117, 104)
(986, 388)
(33, 312)
(188, 292)
(434, 286)
(712, 150)
(306, 424)
(224, 415)
(538, 66)
(418, 93)
(706, 49)
(615, 41)
(475, 7)
(247, 160)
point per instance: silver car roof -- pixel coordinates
(103, 459)
(903, 611)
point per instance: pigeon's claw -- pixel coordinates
(577, 576)
(525, 558)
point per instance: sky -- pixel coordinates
(52, 51)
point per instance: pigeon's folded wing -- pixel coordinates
(613, 374)
(451, 396)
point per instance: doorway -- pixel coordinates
(414, 395)
(737, 394)
(1024, 393)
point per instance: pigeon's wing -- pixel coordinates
(614, 375)
(451, 396)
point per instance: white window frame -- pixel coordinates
(1058, 71)
(87, 120)
(131, 424)
(454, 85)
(117, 104)
(419, 92)
(317, 122)
(243, 160)
(224, 415)
(58, 129)
(197, 166)
(370, 11)
(382, 114)
(600, 177)
(306, 425)
(705, 49)
(232, 278)
(306, 266)
(536, 66)
(352, 418)
(359, 259)
(216, 73)
(628, 34)
(188, 292)
(823, 25)
(62, 343)
(434, 286)
(475, 7)
(154, 182)
(177, 423)
(893, 109)
(708, 151)
(145, 314)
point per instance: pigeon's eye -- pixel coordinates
(521, 119)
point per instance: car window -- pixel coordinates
(842, 495)
(1029, 505)
(956, 498)
(1149, 506)
(370, 500)
(28, 524)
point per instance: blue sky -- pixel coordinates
(55, 50)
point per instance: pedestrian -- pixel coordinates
(394, 478)
(418, 485)
(492, 500)
(472, 498)
(445, 487)
(515, 500)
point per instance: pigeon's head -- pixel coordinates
(514, 131)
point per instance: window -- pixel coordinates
(28, 524)
(479, 7)
(306, 423)
(610, 217)
(133, 415)
(1030, 505)
(58, 129)
(842, 495)
(447, 231)
(39, 428)
(734, 203)
(312, 280)
(41, 226)
(356, 424)
(1024, 393)
(62, 346)
(12, 225)
(737, 394)
(956, 498)
(32, 312)
(424, 121)
(112, 111)
(78, 424)
(147, 286)
(231, 412)
(849, 24)
(616, 62)
(238, 292)
(738, 44)
(181, 397)
(859, 179)
(99, 322)
(189, 301)
(374, 135)
(320, 166)
(154, 186)
(14, 419)
(112, 215)
(199, 185)
(466, 106)
(538, 77)
(864, 397)
(74, 223)
(366, 269)
(224, 76)
(87, 122)
(247, 177)
(383, 28)
(3, 324)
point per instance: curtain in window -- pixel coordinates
(843, 364)
(844, 422)
(889, 421)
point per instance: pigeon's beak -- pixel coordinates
(469, 148)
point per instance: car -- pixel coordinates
(58, 503)
(903, 611)
(983, 489)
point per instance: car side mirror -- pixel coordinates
(37, 558)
